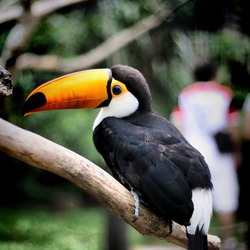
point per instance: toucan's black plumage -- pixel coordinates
(144, 151)
(143, 163)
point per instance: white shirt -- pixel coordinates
(205, 106)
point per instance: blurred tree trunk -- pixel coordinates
(117, 233)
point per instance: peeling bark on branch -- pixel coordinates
(44, 154)
(6, 84)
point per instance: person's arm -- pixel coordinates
(246, 119)
(234, 131)
(176, 117)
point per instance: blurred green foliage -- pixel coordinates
(83, 229)
(38, 229)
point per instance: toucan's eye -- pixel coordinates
(117, 90)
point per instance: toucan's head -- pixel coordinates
(119, 91)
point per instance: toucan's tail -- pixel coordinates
(197, 241)
(200, 221)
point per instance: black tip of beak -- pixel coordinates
(35, 101)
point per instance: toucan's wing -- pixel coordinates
(137, 156)
(168, 190)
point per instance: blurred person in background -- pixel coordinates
(204, 117)
(244, 171)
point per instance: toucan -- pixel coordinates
(143, 150)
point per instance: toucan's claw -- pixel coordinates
(137, 206)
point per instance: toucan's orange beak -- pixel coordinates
(84, 89)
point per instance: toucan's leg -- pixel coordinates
(137, 205)
(170, 225)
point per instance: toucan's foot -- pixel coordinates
(137, 205)
(170, 225)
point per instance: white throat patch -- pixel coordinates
(120, 106)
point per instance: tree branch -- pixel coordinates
(6, 84)
(28, 17)
(44, 154)
(39, 9)
(101, 52)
